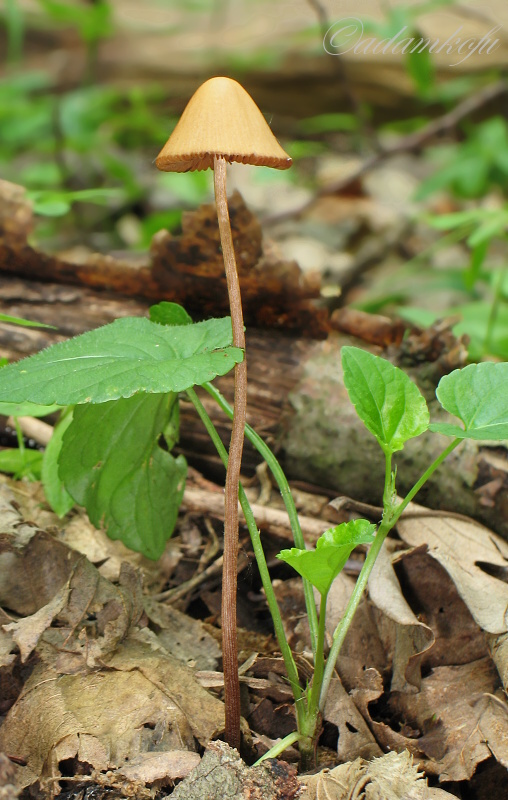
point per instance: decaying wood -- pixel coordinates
(188, 269)
(297, 400)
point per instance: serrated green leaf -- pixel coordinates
(56, 494)
(130, 355)
(322, 565)
(385, 398)
(112, 464)
(478, 396)
(166, 313)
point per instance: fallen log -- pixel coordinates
(297, 400)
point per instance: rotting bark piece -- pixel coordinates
(222, 774)
(185, 269)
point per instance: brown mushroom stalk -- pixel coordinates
(230, 563)
(222, 124)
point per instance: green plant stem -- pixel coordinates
(230, 562)
(390, 517)
(418, 485)
(491, 322)
(319, 663)
(278, 473)
(19, 435)
(354, 601)
(388, 498)
(258, 552)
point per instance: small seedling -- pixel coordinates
(393, 410)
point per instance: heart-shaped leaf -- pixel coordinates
(130, 355)
(322, 565)
(478, 396)
(112, 464)
(385, 398)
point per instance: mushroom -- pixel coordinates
(221, 124)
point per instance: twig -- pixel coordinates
(405, 144)
(271, 520)
(185, 588)
(33, 428)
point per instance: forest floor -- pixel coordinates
(111, 679)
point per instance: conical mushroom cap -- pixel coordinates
(221, 119)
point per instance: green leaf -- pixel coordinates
(56, 494)
(322, 565)
(26, 409)
(420, 67)
(386, 400)
(56, 203)
(478, 396)
(130, 355)
(111, 463)
(22, 463)
(169, 314)
(50, 206)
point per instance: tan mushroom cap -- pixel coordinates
(221, 119)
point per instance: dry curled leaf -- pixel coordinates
(471, 554)
(411, 637)
(141, 700)
(390, 777)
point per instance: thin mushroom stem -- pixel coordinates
(229, 576)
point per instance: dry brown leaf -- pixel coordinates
(434, 598)
(355, 738)
(148, 768)
(473, 556)
(461, 546)
(184, 637)
(362, 646)
(499, 650)
(411, 638)
(391, 777)
(34, 566)
(79, 534)
(27, 631)
(472, 719)
(93, 614)
(7, 644)
(142, 700)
